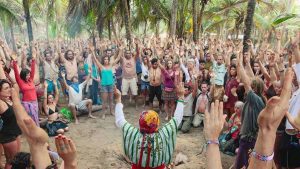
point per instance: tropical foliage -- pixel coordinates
(116, 18)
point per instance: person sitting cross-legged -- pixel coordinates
(76, 102)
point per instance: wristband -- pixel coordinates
(212, 142)
(262, 157)
(180, 101)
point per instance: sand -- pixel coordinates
(99, 143)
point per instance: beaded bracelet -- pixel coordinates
(262, 157)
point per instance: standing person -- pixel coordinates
(145, 78)
(155, 84)
(129, 80)
(10, 131)
(27, 88)
(50, 69)
(254, 103)
(107, 82)
(169, 94)
(70, 62)
(76, 102)
(151, 147)
(230, 96)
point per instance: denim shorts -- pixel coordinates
(107, 88)
(144, 85)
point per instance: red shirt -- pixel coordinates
(27, 88)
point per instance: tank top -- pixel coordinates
(107, 77)
(10, 125)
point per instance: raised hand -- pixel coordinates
(66, 149)
(214, 121)
(270, 117)
(117, 95)
(180, 90)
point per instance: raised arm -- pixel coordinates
(178, 114)
(56, 96)
(268, 120)
(120, 119)
(99, 65)
(242, 73)
(35, 136)
(32, 66)
(45, 97)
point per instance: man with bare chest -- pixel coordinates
(155, 83)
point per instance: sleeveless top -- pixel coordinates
(10, 125)
(129, 69)
(107, 77)
(50, 111)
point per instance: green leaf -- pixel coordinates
(282, 18)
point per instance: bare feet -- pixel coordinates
(76, 121)
(103, 116)
(91, 116)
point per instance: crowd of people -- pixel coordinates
(247, 101)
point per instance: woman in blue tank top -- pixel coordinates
(107, 81)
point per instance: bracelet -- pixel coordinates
(180, 101)
(280, 71)
(212, 142)
(262, 157)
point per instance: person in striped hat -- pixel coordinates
(149, 147)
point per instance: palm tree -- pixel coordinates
(173, 18)
(127, 23)
(248, 23)
(195, 25)
(28, 19)
(10, 14)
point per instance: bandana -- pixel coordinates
(149, 122)
(75, 86)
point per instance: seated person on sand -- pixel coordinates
(149, 146)
(55, 124)
(229, 139)
(76, 104)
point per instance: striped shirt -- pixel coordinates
(162, 143)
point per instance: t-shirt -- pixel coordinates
(295, 100)
(74, 96)
(253, 105)
(162, 143)
(219, 71)
(188, 108)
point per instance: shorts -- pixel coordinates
(129, 83)
(169, 96)
(8, 139)
(198, 119)
(81, 107)
(144, 85)
(106, 88)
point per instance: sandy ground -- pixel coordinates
(99, 143)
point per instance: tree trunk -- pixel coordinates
(100, 24)
(195, 25)
(94, 38)
(12, 36)
(248, 23)
(173, 18)
(127, 21)
(145, 29)
(157, 28)
(109, 28)
(114, 28)
(28, 19)
(201, 15)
